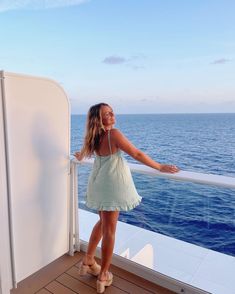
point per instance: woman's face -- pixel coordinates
(108, 118)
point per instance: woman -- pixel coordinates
(110, 188)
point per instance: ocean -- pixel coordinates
(200, 214)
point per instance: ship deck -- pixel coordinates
(61, 277)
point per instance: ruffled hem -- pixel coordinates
(121, 207)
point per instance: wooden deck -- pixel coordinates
(61, 277)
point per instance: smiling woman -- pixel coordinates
(108, 117)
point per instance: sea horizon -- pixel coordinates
(153, 113)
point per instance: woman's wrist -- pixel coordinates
(159, 166)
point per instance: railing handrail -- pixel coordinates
(183, 176)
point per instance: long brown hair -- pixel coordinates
(94, 130)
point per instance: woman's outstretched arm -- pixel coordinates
(124, 144)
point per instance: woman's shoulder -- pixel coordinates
(117, 135)
(115, 132)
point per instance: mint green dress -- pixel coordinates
(110, 184)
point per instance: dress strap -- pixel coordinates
(110, 149)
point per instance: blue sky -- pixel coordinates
(141, 56)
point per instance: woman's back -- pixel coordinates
(107, 145)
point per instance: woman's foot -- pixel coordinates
(104, 280)
(90, 266)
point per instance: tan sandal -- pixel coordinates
(93, 269)
(102, 284)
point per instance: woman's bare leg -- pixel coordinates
(109, 222)
(94, 240)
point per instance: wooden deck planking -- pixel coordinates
(56, 287)
(61, 277)
(38, 280)
(118, 282)
(142, 283)
(75, 284)
(91, 282)
(43, 291)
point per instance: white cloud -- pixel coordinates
(36, 4)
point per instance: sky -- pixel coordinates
(140, 56)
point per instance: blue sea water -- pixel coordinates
(199, 214)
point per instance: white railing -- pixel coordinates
(183, 176)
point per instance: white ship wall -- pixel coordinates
(37, 129)
(5, 257)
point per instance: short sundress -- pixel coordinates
(110, 185)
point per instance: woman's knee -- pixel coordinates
(109, 229)
(109, 223)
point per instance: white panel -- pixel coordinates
(38, 131)
(5, 254)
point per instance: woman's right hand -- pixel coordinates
(78, 155)
(166, 168)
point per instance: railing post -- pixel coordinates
(76, 210)
(71, 210)
(74, 244)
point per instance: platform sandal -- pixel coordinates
(93, 269)
(102, 284)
